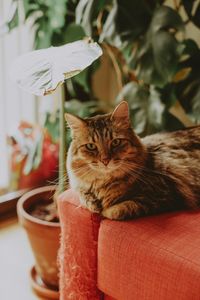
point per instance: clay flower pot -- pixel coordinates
(43, 237)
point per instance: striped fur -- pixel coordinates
(137, 177)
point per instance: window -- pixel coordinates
(15, 105)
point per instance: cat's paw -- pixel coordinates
(113, 213)
(94, 206)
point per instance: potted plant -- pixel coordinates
(41, 72)
(152, 45)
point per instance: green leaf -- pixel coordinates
(83, 80)
(145, 106)
(51, 123)
(165, 18)
(43, 34)
(127, 20)
(188, 89)
(168, 95)
(159, 52)
(83, 109)
(171, 123)
(190, 47)
(73, 32)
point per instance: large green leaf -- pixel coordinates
(187, 90)
(145, 105)
(83, 80)
(127, 20)
(43, 34)
(159, 52)
(73, 32)
(51, 123)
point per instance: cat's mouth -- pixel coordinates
(101, 167)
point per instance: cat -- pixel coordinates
(121, 176)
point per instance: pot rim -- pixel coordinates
(23, 213)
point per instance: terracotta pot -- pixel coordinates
(43, 235)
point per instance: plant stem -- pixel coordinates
(177, 5)
(62, 144)
(115, 65)
(178, 111)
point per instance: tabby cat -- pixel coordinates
(121, 176)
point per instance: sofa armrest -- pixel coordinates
(78, 249)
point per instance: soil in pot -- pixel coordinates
(45, 211)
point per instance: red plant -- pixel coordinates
(33, 157)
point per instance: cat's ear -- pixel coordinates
(74, 122)
(121, 114)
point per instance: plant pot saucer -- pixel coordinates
(40, 288)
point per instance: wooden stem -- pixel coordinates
(62, 144)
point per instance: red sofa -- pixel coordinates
(151, 258)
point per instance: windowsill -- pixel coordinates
(8, 203)
(16, 261)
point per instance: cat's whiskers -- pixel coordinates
(145, 169)
(81, 171)
(134, 174)
(137, 175)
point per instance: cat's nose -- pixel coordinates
(105, 161)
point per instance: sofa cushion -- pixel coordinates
(78, 249)
(151, 258)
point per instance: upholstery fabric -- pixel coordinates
(152, 258)
(78, 250)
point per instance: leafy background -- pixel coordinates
(157, 66)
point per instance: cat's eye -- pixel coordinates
(116, 142)
(91, 147)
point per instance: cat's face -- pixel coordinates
(102, 144)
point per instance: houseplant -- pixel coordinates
(41, 72)
(33, 154)
(156, 64)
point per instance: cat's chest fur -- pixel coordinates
(85, 188)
